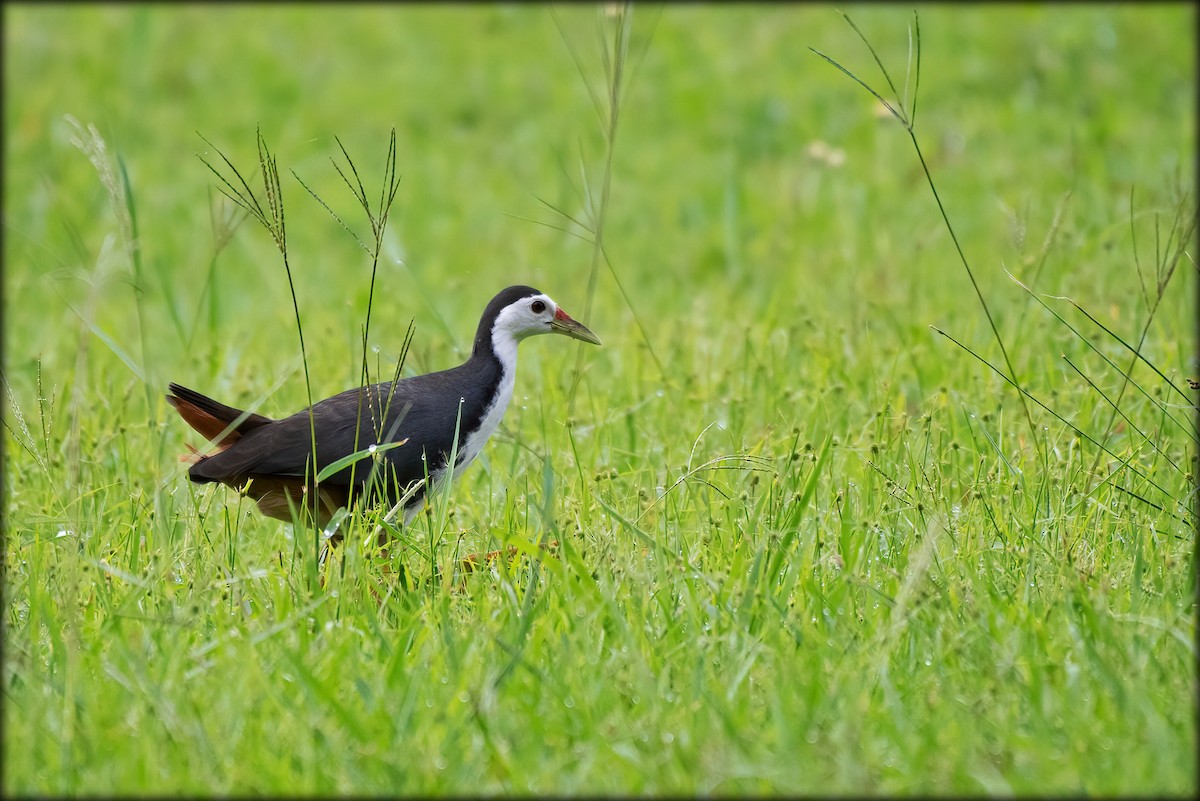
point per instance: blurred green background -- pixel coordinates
(717, 206)
(776, 260)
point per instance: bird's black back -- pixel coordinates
(422, 409)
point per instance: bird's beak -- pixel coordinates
(563, 323)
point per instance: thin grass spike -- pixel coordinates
(1117, 409)
(360, 192)
(874, 55)
(1195, 432)
(332, 213)
(1135, 351)
(1078, 431)
(859, 81)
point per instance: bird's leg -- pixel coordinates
(326, 549)
(382, 538)
(472, 562)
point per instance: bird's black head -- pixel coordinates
(522, 311)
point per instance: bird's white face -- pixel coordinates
(528, 316)
(537, 314)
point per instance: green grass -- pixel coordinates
(890, 585)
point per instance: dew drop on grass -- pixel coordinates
(569, 702)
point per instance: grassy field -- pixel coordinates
(806, 543)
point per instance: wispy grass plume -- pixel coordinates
(905, 112)
(224, 219)
(614, 28)
(377, 220)
(115, 180)
(269, 213)
(1167, 257)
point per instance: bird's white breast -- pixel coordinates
(504, 345)
(476, 439)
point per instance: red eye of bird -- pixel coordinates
(538, 307)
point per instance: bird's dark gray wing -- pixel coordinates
(422, 409)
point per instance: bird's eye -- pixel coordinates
(538, 306)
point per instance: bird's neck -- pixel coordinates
(494, 360)
(498, 347)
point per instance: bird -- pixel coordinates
(408, 424)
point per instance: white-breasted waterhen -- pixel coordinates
(271, 460)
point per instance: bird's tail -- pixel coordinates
(223, 425)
